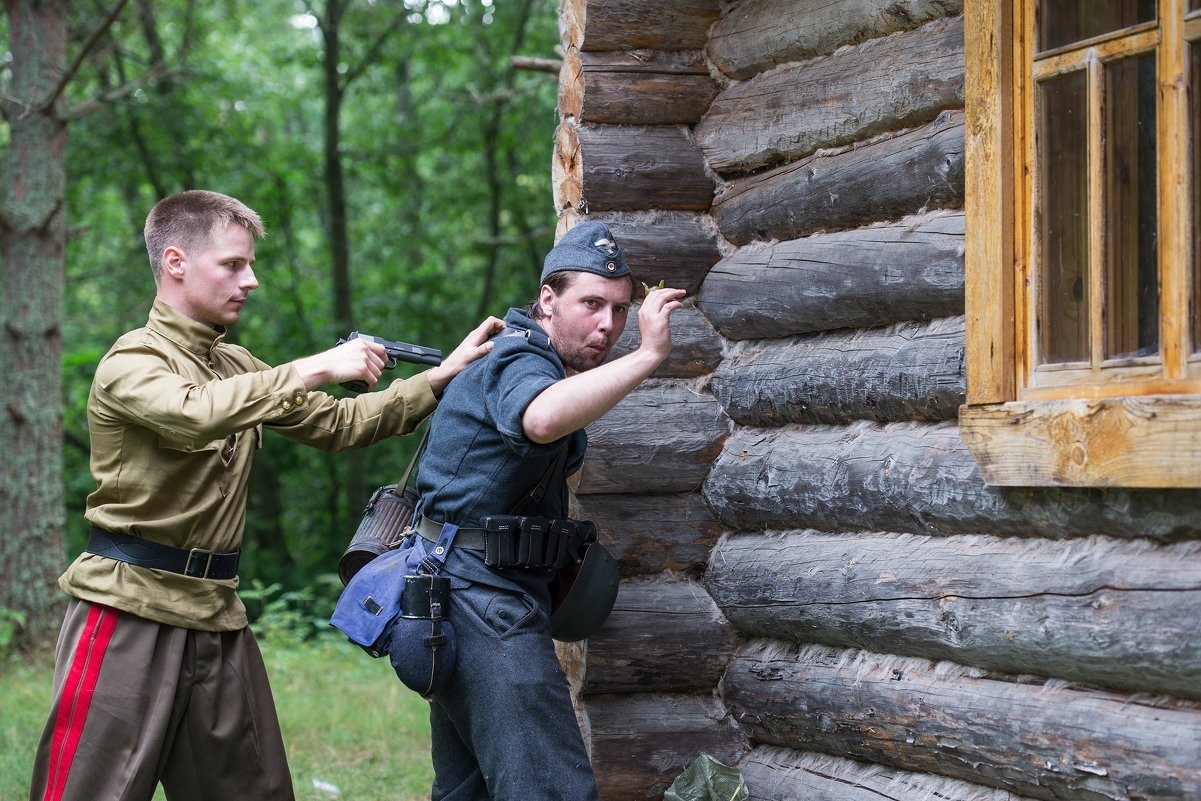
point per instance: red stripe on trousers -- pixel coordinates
(77, 696)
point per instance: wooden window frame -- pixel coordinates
(1107, 431)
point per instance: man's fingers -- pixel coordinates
(485, 331)
(489, 328)
(675, 296)
(363, 359)
(660, 298)
(663, 301)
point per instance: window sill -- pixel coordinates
(1144, 441)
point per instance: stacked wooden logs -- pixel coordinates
(818, 585)
(634, 80)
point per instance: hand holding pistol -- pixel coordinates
(396, 352)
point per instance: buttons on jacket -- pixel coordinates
(298, 400)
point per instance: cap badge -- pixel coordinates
(607, 245)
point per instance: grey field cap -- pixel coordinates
(588, 247)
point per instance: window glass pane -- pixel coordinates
(1131, 219)
(1194, 5)
(1062, 22)
(1063, 191)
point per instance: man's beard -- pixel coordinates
(577, 358)
(580, 359)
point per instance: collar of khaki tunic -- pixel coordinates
(183, 330)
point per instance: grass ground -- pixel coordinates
(353, 732)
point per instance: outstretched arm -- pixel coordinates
(576, 401)
(364, 360)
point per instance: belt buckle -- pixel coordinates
(208, 562)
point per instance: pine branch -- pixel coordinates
(116, 93)
(370, 57)
(84, 51)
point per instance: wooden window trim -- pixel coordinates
(1098, 437)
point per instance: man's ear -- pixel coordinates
(173, 261)
(545, 298)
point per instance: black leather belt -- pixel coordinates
(465, 538)
(193, 562)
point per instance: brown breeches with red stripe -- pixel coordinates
(137, 703)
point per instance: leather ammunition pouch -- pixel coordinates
(585, 583)
(535, 543)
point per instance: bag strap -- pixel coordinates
(538, 492)
(399, 489)
(433, 561)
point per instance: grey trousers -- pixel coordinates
(503, 729)
(137, 702)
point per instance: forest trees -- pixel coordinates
(444, 151)
(32, 252)
(33, 238)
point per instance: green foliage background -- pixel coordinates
(446, 151)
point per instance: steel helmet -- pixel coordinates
(583, 601)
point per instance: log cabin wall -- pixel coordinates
(818, 587)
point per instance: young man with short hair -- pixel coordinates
(157, 676)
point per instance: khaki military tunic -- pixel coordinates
(175, 416)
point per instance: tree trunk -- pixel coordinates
(625, 167)
(641, 743)
(494, 154)
(695, 346)
(645, 87)
(335, 180)
(677, 247)
(355, 485)
(651, 641)
(652, 533)
(662, 437)
(33, 237)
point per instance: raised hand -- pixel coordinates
(474, 345)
